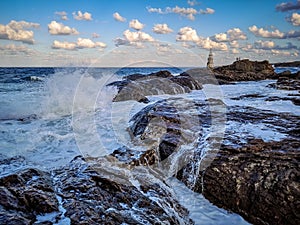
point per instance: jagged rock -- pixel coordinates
(245, 70)
(259, 181)
(86, 193)
(91, 196)
(24, 195)
(137, 86)
(254, 178)
(287, 81)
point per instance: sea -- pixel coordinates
(48, 116)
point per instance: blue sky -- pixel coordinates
(123, 32)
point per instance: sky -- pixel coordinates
(118, 33)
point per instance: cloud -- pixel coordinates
(236, 34)
(234, 44)
(95, 35)
(138, 36)
(282, 53)
(264, 44)
(288, 6)
(134, 38)
(292, 34)
(63, 45)
(295, 19)
(235, 51)
(207, 11)
(260, 32)
(80, 44)
(118, 17)
(88, 43)
(220, 37)
(162, 29)
(207, 43)
(189, 13)
(56, 28)
(192, 3)
(13, 49)
(15, 25)
(135, 24)
(63, 15)
(82, 16)
(188, 34)
(15, 31)
(230, 35)
(155, 10)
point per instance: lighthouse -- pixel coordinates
(210, 60)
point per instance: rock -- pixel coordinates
(24, 195)
(87, 193)
(259, 181)
(288, 64)
(90, 195)
(287, 81)
(166, 125)
(137, 86)
(245, 70)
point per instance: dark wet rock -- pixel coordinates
(245, 70)
(260, 181)
(295, 101)
(287, 81)
(248, 96)
(89, 195)
(165, 126)
(86, 193)
(24, 195)
(257, 179)
(206, 76)
(138, 86)
(288, 64)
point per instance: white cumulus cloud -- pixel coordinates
(207, 11)
(135, 24)
(56, 28)
(118, 17)
(63, 15)
(162, 29)
(80, 44)
(220, 37)
(17, 31)
(134, 38)
(236, 34)
(187, 34)
(207, 43)
(295, 19)
(82, 16)
(88, 43)
(260, 32)
(64, 45)
(264, 44)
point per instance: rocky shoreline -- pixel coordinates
(235, 170)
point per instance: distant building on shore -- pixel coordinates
(210, 60)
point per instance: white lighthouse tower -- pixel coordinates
(210, 60)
